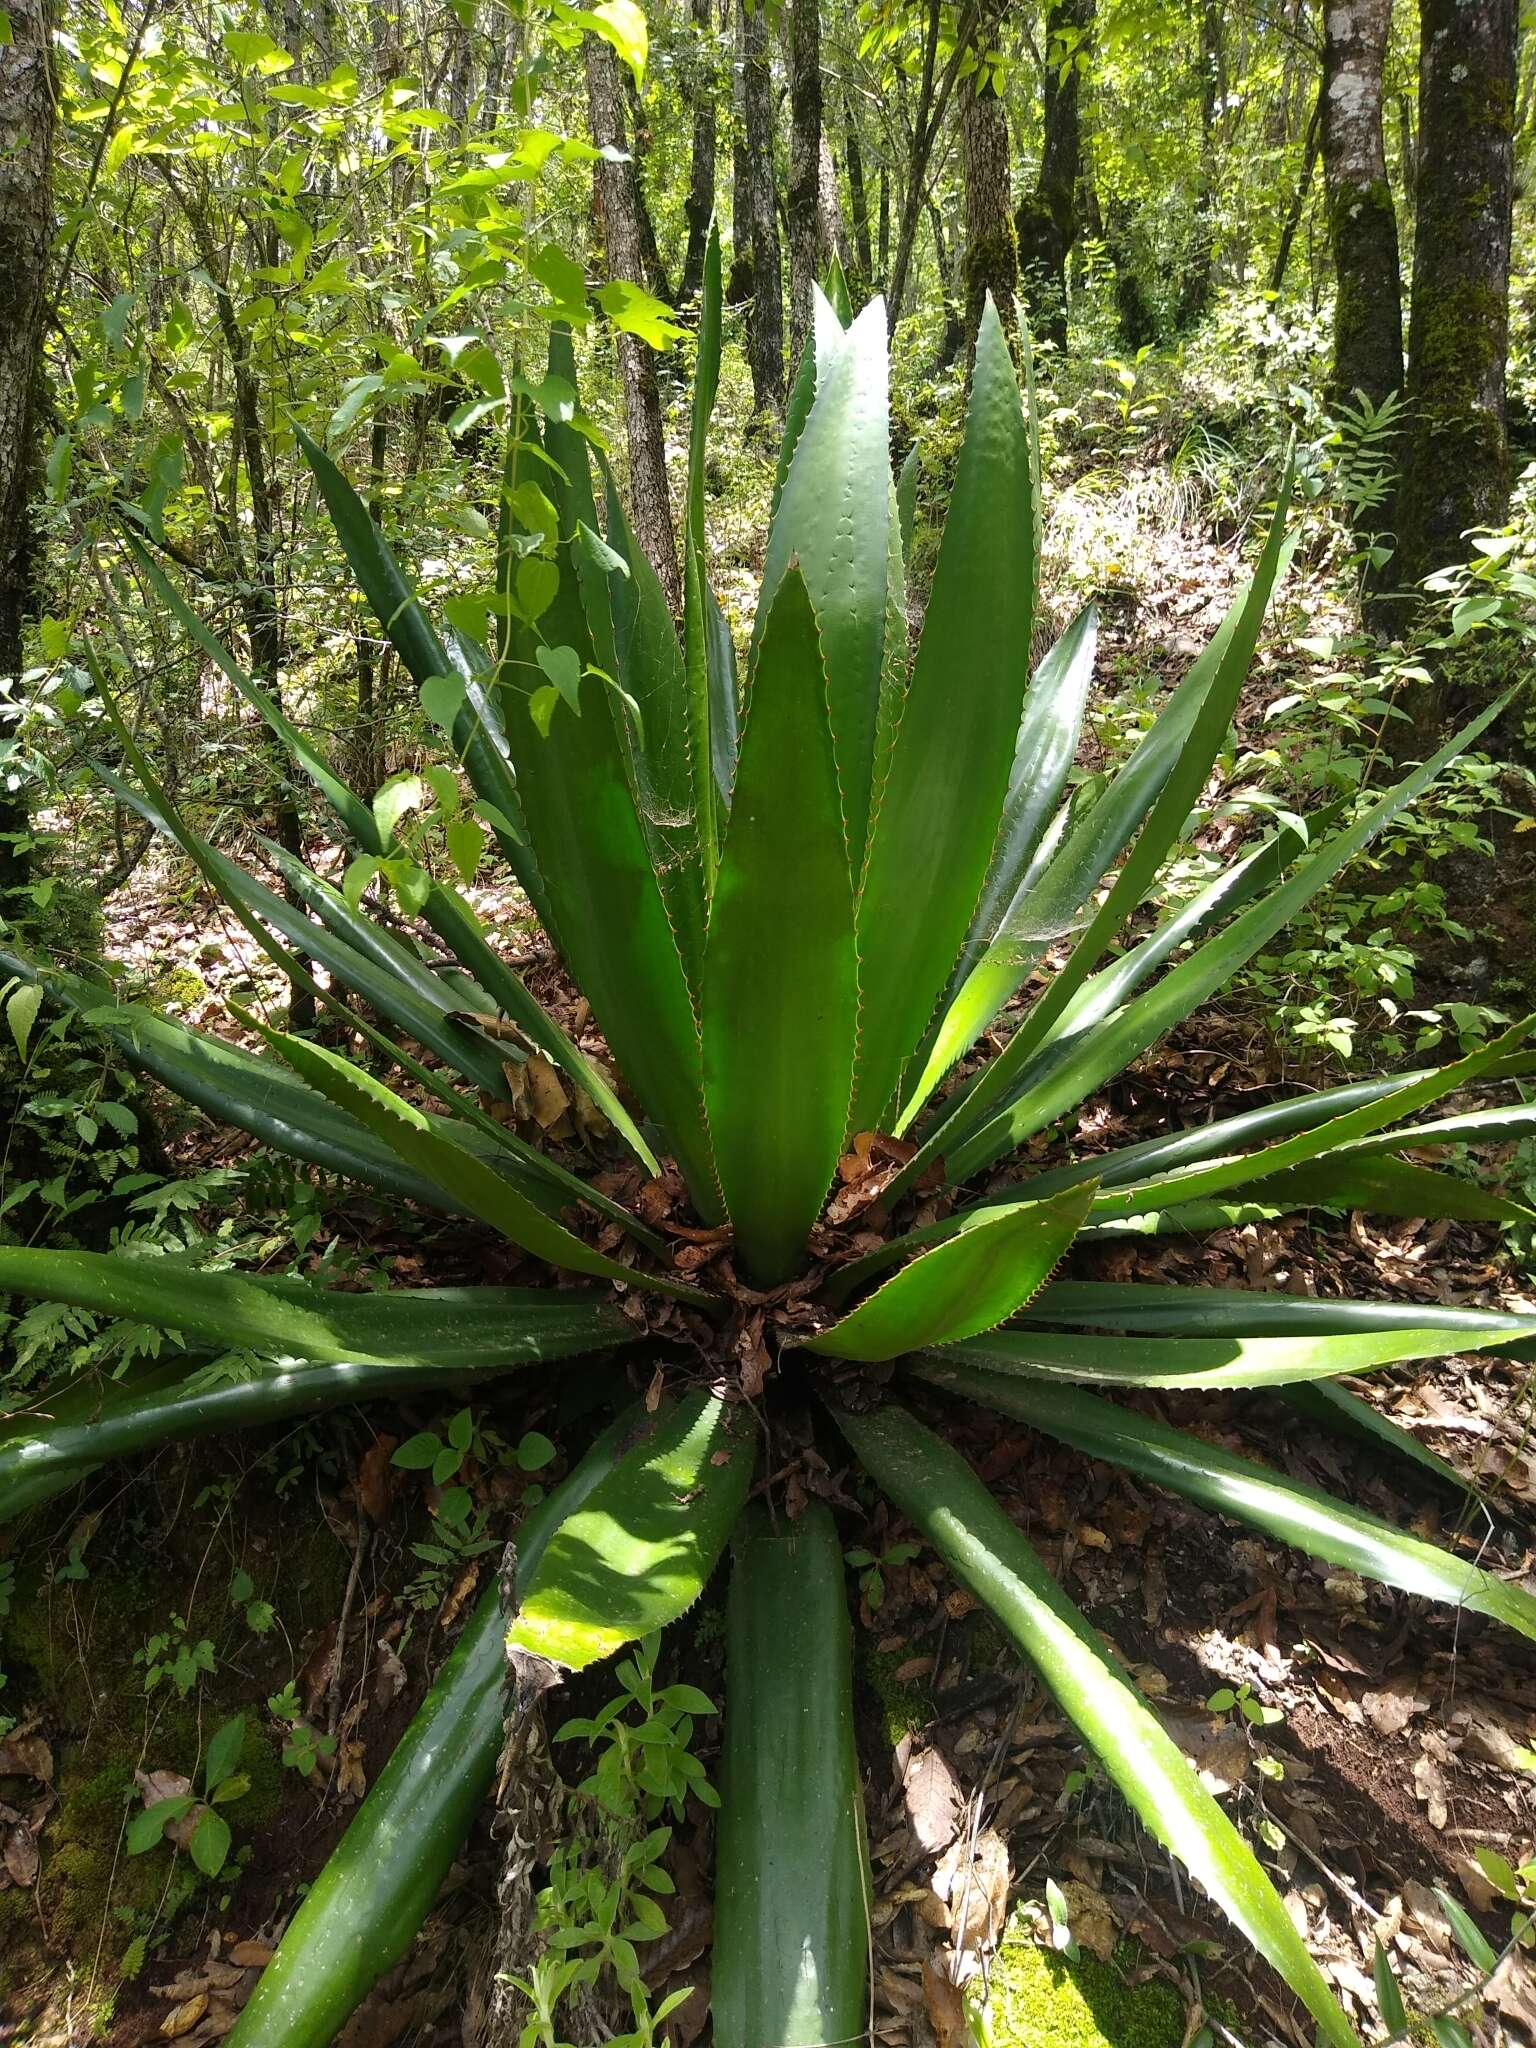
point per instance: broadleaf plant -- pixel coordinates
(793, 900)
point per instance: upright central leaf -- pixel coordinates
(938, 817)
(834, 518)
(780, 1008)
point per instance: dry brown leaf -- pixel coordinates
(351, 1781)
(1090, 1918)
(1430, 1786)
(932, 1793)
(1390, 1710)
(376, 1478)
(181, 2019)
(26, 1756)
(973, 1884)
(251, 1955)
(20, 1854)
(944, 2003)
(389, 1678)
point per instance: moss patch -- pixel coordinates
(1040, 2000)
(903, 1705)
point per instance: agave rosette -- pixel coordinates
(795, 901)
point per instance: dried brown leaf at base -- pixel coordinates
(931, 1791)
(971, 1882)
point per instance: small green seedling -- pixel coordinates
(1253, 1711)
(872, 1570)
(201, 1831)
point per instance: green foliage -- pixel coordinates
(772, 963)
(606, 1885)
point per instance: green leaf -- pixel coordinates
(349, 807)
(780, 981)
(937, 824)
(634, 311)
(256, 1095)
(983, 1273)
(224, 1752)
(969, 1141)
(1471, 1940)
(455, 922)
(833, 518)
(1284, 1508)
(935, 1489)
(210, 1842)
(364, 1909)
(1329, 1140)
(1394, 2017)
(639, 1553)
(439, 1155)
(21, 1008)
(790, 1958)
(610, 913)
(705, 701)
(289, 1319)
(417, 1453)
(147, 1829)
(1202, 1361)
(651, 670)
(465, 841)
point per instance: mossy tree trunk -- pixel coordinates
(699, 206)
(26, 226)
(1456, 461)
(1362, 221)
(620, 205)
(1046, 223)
(991, 262)
(804, 44)
(765, 326)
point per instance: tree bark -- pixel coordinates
(26, 229)
(1456, 464)
(991, 246)
(1046, 223)
(653, 272)
(699, 207)
(1199, 269)
(1362, 222)
(765, 324)
(619, 211)
(932, 101)
(858, 202)
(805, 222)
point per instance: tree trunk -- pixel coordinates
(831, 230)
(619, 214)
(932, 100)
(991, 248)
(699, 207)
(765, 325)
(26, 228)
(1362, 223)
(805, 240)
(858, 201)
(1046, 222)
(653, 272)
(1298, 205)
(1456, 463)
(1199, 270)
